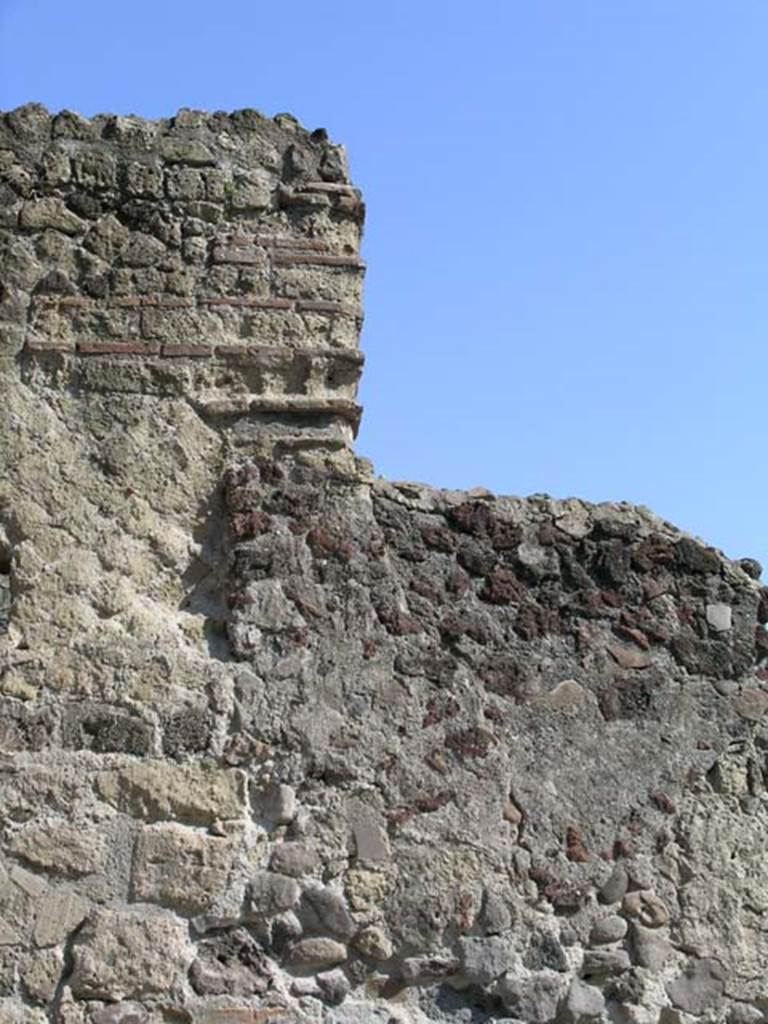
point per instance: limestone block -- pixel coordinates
(40, 973)
(231, 963)
(179, 867)
(50, 213)
(369, 835)
(195, 793)
(699, 987)
(61, 848)
(651, 948)
(57, 913)
(334, 986)
(160, 954)
(294, 859)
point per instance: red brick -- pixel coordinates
(170, 302)
(251, 302)
(288, 259)
(239, 253)
(116, 348)
(274, 242)
(50, 346)
(323, 306)
(187, 351)
(330, 186)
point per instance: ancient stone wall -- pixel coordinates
(213, 257)
(282, 742)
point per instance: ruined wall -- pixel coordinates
(282, 742)
(209, 257)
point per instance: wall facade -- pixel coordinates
(282, 742)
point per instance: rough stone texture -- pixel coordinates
(284, 742)
(129, 954)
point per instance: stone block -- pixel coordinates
(61, 848)
(698, 988)
(50, 213)
(275, 802)
(484, 959)
(57, 913)
(317, 953)
(294, 859)
(719, 617)
(608, 929)
(584, 1003)
(180, 867)
(196, 793)
(269, 894)
(324, 910)
(159, 948)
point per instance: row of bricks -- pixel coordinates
(191, 350)
(242, 253)
(295, 242)
(331, 187)
(239, 404)
(170, 302)
(285, 250)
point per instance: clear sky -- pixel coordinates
(567, 232)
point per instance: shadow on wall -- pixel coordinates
(5, 584)
(205, 579)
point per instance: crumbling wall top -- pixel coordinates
(209, 255)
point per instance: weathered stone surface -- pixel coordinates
(178, 867)
(484, 960)
(275, 802)
(600, 964)
(197, 794)
(333, 986)
(230, 963)
(608, 929)
(698, 988)
(533, 998)
(57, 914)
(650, 948)
(40, 974)
(317, 953)
(374, 943)
(61, 848)
(293, 859)
(615, 886)
(325, 911)
(270, 893)
(583, 1003)
(120, 1013)
(129, 954)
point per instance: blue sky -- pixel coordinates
(568, 219)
